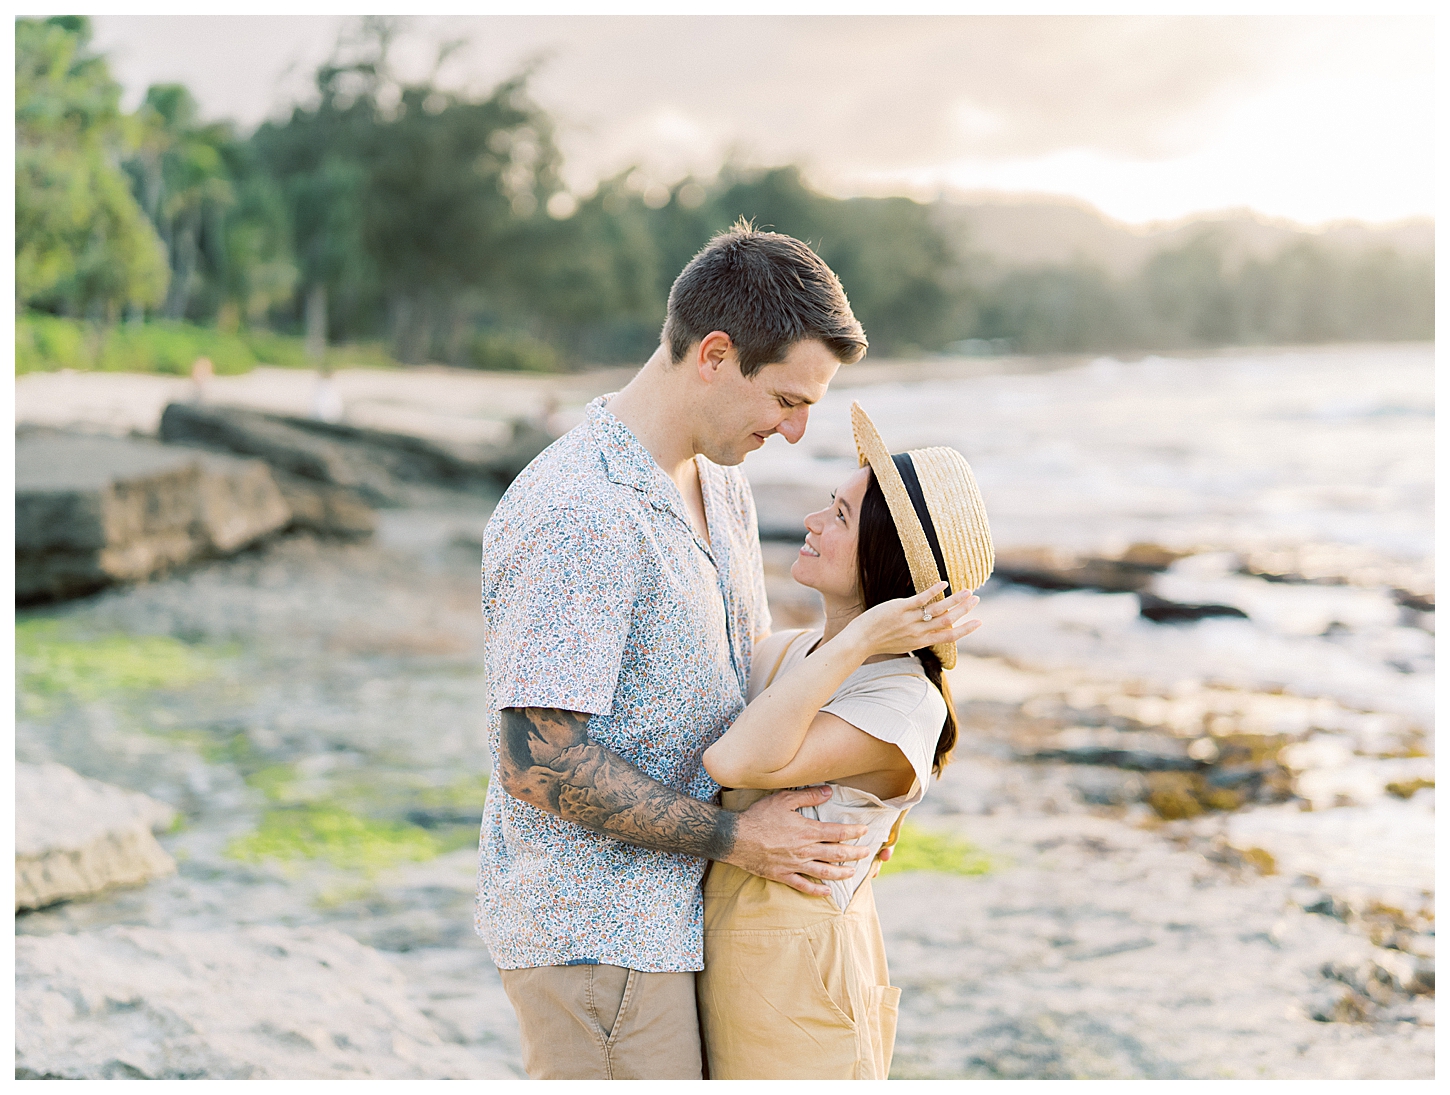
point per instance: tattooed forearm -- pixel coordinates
(547, 759)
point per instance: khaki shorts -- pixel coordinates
(598, 1022)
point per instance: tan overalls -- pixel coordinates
(793, 987)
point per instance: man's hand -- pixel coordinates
(546, 758)
(775, 842)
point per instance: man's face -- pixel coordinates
(744, 411)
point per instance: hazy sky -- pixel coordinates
(1148, 117)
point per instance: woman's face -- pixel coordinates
(827, 560)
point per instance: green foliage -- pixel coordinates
(513, 353)
(1187, 295)
(52, 664)
(899, 270)
(46, 343)
(82, 244)
(919, 849)
(1193, 296)
(430, 220)
(317, 159)
(418, 210)
(600, 279)
(1071, 308)
(220, 217)
(597, 279)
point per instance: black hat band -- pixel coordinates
(903, 463)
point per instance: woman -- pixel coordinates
(795, 985)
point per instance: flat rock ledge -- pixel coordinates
(93, 510)
(380, 467)
(250, 1004)
(76, 836)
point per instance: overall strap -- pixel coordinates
(890, 841)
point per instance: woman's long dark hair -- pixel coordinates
(883, 575)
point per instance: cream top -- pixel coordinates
(891, 700)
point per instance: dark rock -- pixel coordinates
(1383, 980)
(1248, 778)
(1045, 568)
(92, 510)
(1412, 583)
(1160, 611)
(1108, 786)
(1133, 760)
(326, 510)
(378, 466)
(441, 818)
(82, 493)
(527, 442)
(239, 502)
(1326, 905)
(1420, 602)
(287, 448)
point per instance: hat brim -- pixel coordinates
(870, 449)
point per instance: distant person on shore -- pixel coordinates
(326, 402)
(624, 596)
(201, 375)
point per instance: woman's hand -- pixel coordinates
(901, 626)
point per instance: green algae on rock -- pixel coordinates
(337, 836)
(919, 849)
(53, 663)
(300, 823)
(1407, 788)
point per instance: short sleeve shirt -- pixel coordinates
(600, 598)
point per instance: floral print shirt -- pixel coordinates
(600, 598)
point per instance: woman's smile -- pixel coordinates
(826, 561)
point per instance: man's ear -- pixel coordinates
(712, 355)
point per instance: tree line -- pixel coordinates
(436, 222)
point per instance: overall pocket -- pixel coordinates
(767, 1013)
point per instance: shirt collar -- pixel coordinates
(626, 460)
(629, 463)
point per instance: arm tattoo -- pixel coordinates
(546, 759)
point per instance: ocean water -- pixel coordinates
(1235, 450)
(1323, 455)
(1324, 450)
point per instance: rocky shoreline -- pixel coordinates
(1188, 832)
(337, 684)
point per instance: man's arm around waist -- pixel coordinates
(546, 758)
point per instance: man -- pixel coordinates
(623, 593)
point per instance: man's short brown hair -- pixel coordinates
(765, 290)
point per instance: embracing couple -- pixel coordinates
(643, 715)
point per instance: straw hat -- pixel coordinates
(938, 513)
